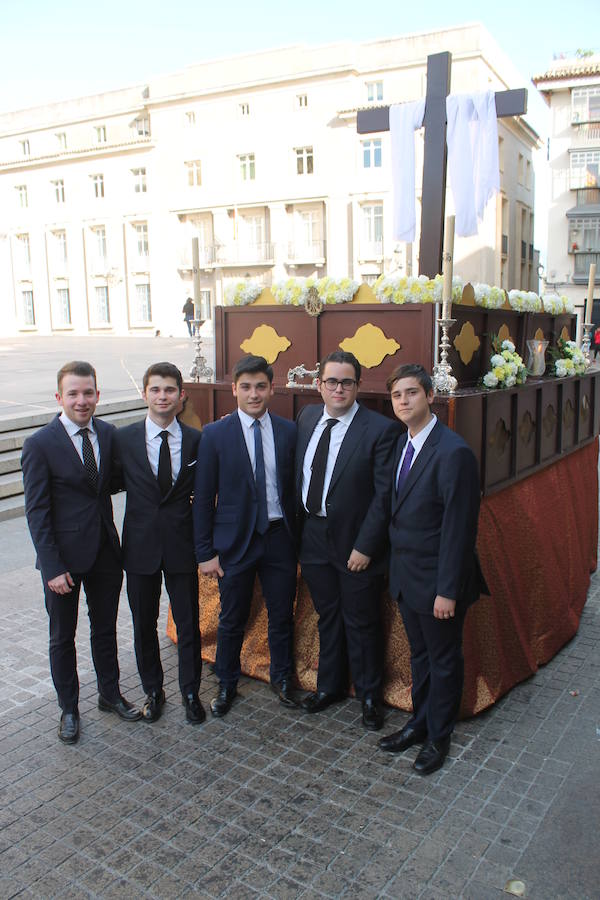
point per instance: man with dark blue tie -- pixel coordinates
(243, 513)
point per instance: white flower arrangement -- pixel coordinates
(557, 305)
(507, 367)
(336, 290)
(241, 293)
(294, 291)
(569, 305)
(524, 301)
(488, 296)
(398, 288)
(457, 288)
(568, 359)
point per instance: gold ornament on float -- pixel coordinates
(370, 345)
(265, 341)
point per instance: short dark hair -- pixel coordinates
(341, 356)
(76, 367)
(411, 370)
(252, 365)
(164, 370)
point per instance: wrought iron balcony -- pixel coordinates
(244, 254)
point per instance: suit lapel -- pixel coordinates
(351, 441)
(242, 451)
(305, 431)
(71, 453)
(139, 452)
(104, 452)
(424, 457)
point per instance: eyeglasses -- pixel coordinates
(346, 384)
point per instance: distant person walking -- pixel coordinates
(189, 314)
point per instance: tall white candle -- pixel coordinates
(447, 266)
(589, 303)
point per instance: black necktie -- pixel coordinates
(165, 475)
(89, 460)
(314, 498)
(262, 513)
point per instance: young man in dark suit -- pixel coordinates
(343, 483)
(434, 572)
(67, 472)
(244, 526)
(157, 459)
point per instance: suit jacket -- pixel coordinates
(433, 526)
(66, 516)
(157, 530)
(225, 503)
(358, 499)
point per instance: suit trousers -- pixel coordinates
(102, 585)
(143, 592)
(272, 557)
(437, 669)
(348, 606)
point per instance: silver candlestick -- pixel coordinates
(199, 367)
(443, 380)
(586, 342)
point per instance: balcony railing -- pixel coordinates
(306, 252)
(587, 131)
(583, 179)
(244, 254)
(583, 262)
(206, 258)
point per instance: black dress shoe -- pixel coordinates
(123, 708)
(221, 704)
(371, 714)
(194, 711)
(431, 757)
(402, 740)
(152, 708)
(68, 729)
(318, 701)
(285, 691)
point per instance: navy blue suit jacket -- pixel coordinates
(433, 526)
(157, 530)
(66, 516)
(225, 503)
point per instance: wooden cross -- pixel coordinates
(508, 103)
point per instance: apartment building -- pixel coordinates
(571, 88)
(258, 157)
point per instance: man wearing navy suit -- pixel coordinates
(343, 482)
(244, 526)
(67, 470)
(434, 572)
(157, 459)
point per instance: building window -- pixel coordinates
(24, 250)
(101, 310)
(27, 308)
(247, 167)
(63, 307)
(521, 169)
(252, 231)
(98, 183)
(141, 230)
(25, 147)
(304, 160)
(244, 109)
(194, 173)
(585, 105)
(372, 154)
(60, 246)
(142, 126)
(584, 234)
(100, 134)
(190, 117)
(61, 138)
(21, 190)
(301, 101)
(374, 91)
(139, 180)
(59, 190)
(372, 229)
(143, 311)
(100, 242)
(584, 169)
(528, 173)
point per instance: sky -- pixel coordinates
(55, 49)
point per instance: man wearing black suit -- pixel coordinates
(244, 526)
(343, 482)
(157, 459)
(434, 572)
(67, 480)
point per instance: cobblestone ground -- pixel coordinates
(269, 802)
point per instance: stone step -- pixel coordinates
(14, 440)
(12, 508)
(36, 420)
(10, 461)
(11, 485)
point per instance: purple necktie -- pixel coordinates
(405, 467)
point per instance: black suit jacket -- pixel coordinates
(433, 526)
(358, 499)
(66, 516)
(157, 531)
(225, 504)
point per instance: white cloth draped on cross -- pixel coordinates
(472, 139)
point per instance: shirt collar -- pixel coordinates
(249, 421)
(420, 438)
(72, 427)
(346, 419)
(153, 430)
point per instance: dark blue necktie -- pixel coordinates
(262, 514)
(405, 467)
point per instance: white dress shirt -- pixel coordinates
(72, 428)
(154, 440)
(337, 435)
(417, 441)
(268, 443)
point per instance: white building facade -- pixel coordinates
(256, 156)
